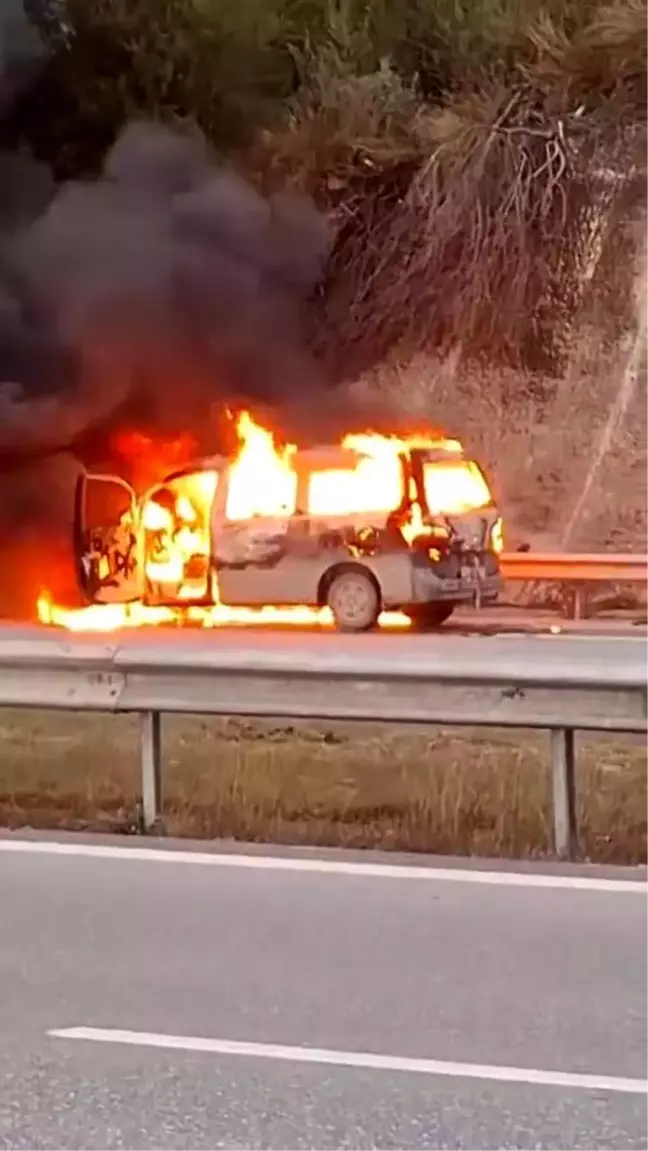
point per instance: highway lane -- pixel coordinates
(502, 978)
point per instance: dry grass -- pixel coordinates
(451, 792)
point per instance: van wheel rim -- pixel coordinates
(353, 601)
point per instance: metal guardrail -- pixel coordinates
(575, 566)
(561, 685)
(579, 570)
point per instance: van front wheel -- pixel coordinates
(354, 600)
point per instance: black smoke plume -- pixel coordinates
(22, 52)
(162, 289)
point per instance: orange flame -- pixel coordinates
(262, 480)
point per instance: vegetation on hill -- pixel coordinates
(481, 164)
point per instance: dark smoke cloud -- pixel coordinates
(166, 286)
(21, 51)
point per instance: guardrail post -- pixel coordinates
(563, 792)
(151, 752)
(577, 601)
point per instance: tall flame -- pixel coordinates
(262, 481)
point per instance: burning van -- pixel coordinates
(375, 525)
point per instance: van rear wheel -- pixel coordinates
(354, 601)
(428, 616)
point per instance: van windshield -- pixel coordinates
(454, 486)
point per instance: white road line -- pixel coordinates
(316, 865)
(356, 1059)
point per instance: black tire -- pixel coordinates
(354, 601)
(428, 616)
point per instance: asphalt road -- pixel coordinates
(203, 988)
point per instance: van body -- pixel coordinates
(192, 540)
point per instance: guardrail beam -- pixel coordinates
(601, 568)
